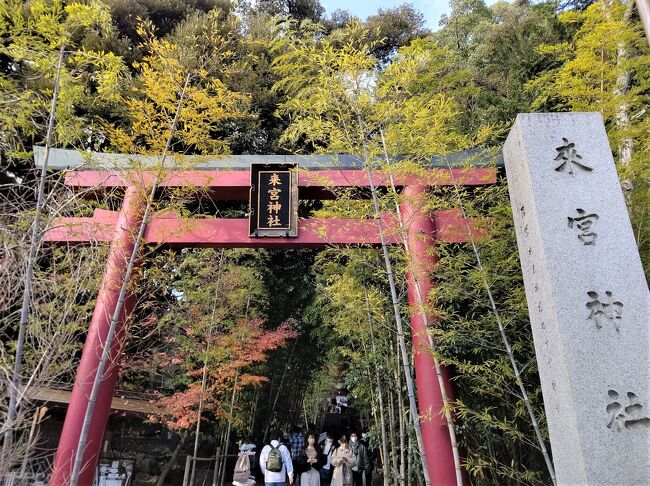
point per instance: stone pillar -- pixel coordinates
(121, 248)
(587, 297)
(422, 260)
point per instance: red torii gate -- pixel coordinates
(119, 228)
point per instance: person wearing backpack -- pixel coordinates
(244, 475)
(275, 462)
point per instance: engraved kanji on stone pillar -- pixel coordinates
(587, 295)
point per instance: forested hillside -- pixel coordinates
(257, 339)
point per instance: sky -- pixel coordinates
(432, 9)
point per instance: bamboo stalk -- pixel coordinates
(420, 301)
(186, 476)
(12, 411)
(277, 395)
(504, 336)
(83, 436)
(227, 442)
(204, 378)
(402, 431)
(393, 440)
(398, 317)
(384, 442)
(215, 475)
(409, 457)
(222, 457)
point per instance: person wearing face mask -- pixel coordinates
(327, 449)
(310, 459)
(342, 461)
(361, 464)
(373, 453)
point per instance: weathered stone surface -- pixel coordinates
(587, 297)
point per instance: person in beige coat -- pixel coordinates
(342, 460)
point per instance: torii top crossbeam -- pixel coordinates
(226, 178)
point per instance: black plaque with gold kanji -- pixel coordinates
(274, 200)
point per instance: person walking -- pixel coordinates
(311, 460)
(361, 464)
(327, 449)
(246, 465)
(372, 457)
(276, 463)
(296, 442)
(342, 459)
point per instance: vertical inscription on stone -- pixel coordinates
(603, 309)
(581, 266)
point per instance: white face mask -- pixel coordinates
(353, 439)
(329, 441)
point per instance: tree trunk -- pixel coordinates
(643, 7)
(623, 78)
(172, 460)
(625, 147)
(256, 395)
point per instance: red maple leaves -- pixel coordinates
(230, 358)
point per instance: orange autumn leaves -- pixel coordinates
(231, 359)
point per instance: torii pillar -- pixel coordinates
(421, 238)
(120, 250)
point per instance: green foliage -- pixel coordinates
(152, 101)
(458, 27)
(393, 28)
(496, 430)
(273, 79)
(32, 35)
(604, 67)
(165, 15)
(328, 85)
(495, 55)
(300, 10)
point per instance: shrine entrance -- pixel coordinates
(229, 179)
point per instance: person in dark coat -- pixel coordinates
(361, 464)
